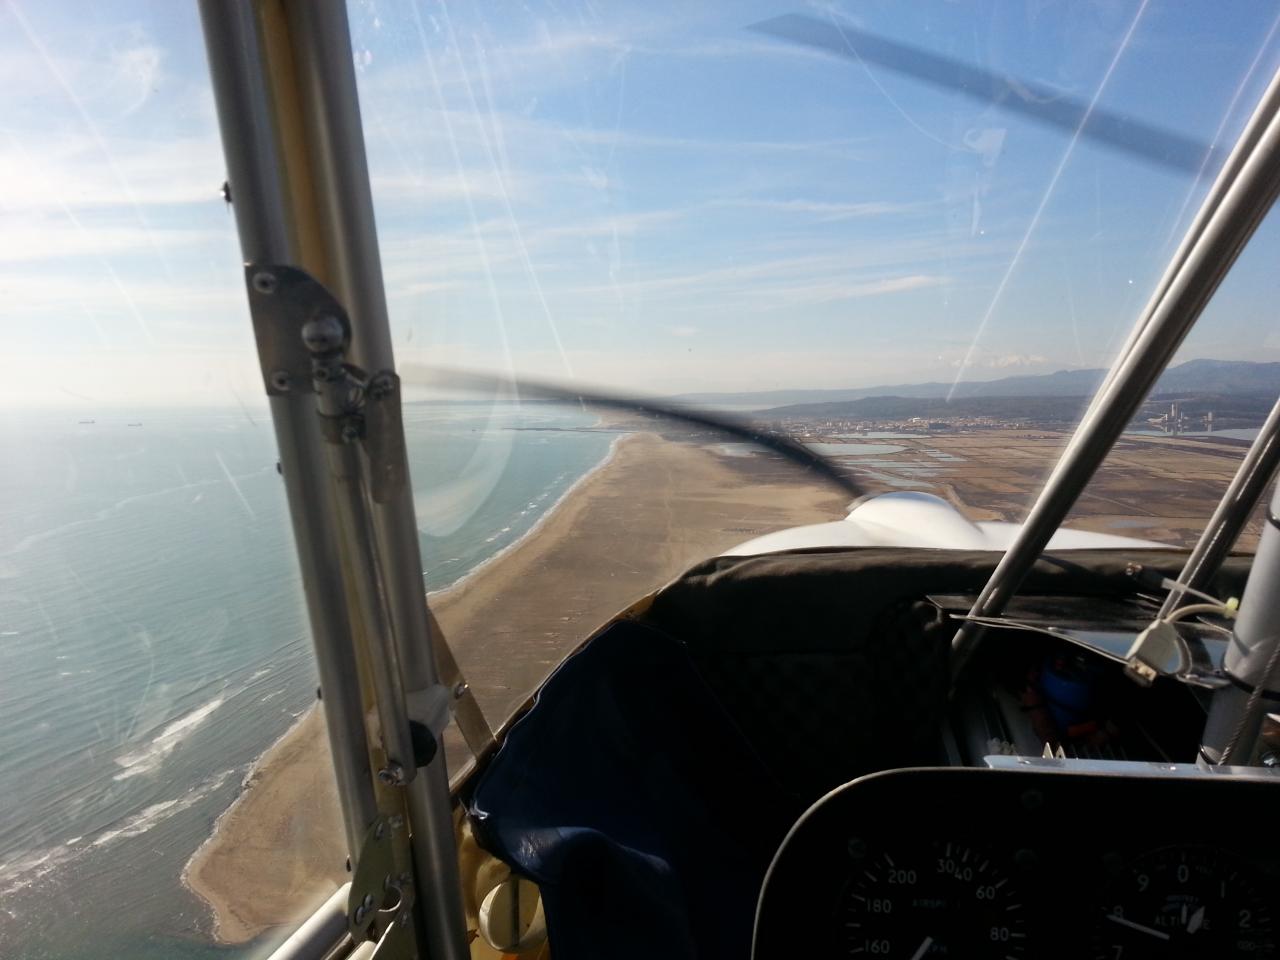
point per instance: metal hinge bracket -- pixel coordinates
(381, 898)
(303, 335)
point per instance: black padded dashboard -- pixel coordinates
(1041, 860)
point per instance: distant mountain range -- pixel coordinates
(1217, 377)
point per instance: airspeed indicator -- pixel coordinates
(941, 900)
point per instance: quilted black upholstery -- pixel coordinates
(831, 663)
(820, 718)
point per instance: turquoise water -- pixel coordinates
(153, 640)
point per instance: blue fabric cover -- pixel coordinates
(633, 801)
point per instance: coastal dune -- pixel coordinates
(656, 507)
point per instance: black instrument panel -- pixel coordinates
(974, 863)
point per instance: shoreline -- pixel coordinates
(246, 783)
(263, 765)
(598, 547)
(442, 593)
(313, 876)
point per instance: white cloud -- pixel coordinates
(70, 169)
(835, 289)
(621, 224)
(431, 185)
(809, 278)
(1003, 361)
(135, 75)
(31, 236)
(831, 211)
(844, 148)
(106, 72)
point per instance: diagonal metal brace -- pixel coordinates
(471, 720)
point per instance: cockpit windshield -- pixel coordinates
(912, 237)
(926, 227)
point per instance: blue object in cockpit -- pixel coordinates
(636, 804)
(1068, 684)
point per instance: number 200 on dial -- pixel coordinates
(944, 900)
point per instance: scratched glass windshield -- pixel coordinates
(914, 235)
(911, 236)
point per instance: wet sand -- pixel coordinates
(272, 858)
(656, 508)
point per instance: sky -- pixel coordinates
(650, 197)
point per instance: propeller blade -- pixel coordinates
(781, 444)
(1034, 101)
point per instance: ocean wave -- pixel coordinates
(34, 866)
(148, 817)
(30, 869)
(153, 754)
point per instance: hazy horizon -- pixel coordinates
(256, 405)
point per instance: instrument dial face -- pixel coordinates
(1184, 902)
(943, 900)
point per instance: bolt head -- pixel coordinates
(280, 379)
(381, 387)
(265, 282)
(323, 334)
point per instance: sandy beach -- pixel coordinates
(656, 508)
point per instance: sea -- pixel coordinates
(153, 639)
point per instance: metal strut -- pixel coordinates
(304, 335)
(284, 86)
(289, 305)
(1232, 513)
(1244, 192)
